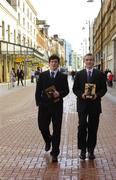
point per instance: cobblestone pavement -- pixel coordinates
(22, 155)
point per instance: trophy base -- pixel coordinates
(89, 96)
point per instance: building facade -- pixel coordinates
(24, 40)
(104, 37)
(18, 37)
(68, 55)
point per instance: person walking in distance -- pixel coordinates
(37, 73)
(110, 78)
(52, 87)
(20, 75)
(89, 106)
(13, 77)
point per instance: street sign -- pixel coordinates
(19, 59)
(28, 60)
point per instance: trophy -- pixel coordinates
(50, 93)
(90, 90)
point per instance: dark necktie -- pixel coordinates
(52, 75)
(89, 76)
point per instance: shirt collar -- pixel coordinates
(55, 72)
(89, 70)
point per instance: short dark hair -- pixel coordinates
(54, 56)
(89, 54)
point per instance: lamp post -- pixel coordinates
(101, 40)
(87, 44)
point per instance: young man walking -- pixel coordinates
(52, 87)
(89, 87)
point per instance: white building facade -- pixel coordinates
(18, 33)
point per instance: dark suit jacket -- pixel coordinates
(98, 78)
(61, 85)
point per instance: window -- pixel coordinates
(28, 26)
(28, 12)
(3, 30)
(19, 38)
(23, 22)
(31, 16)
(28, 41)
(34, 20)
(34, 32)
(19, 18)
(8, 31)
(31, 29)
(24, 40)
(23, 7)
(18, 3)
(14, 36)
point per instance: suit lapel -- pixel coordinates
(57, 76)
(85, 75)
(93, 75)
(48, 77)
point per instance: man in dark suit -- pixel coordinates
(20, 75)
(88, 106)
(51, 87)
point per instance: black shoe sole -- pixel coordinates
(54, 159)
(91, 157)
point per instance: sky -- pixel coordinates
(68, 17)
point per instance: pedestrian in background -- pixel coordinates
(37, 73)
(88, 107)
(110, 78)
(52, 87)
(13, 77)
(32, 76)
(20, 76)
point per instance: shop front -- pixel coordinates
(14, 55)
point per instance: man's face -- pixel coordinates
(89, 61)
(53, 64)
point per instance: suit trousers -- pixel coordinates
(87, 130)
(47, 115)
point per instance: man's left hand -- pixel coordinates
(94, 97)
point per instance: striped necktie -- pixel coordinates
(88, 76)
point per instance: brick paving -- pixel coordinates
(22, 155)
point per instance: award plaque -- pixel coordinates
(50, 91)
(90, 90)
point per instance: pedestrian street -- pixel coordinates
(22, 154)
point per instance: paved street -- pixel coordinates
(22, 155)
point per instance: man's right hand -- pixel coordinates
(83, 96)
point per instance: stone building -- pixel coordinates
(104, 37)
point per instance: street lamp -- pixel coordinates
(101, 19)
(83, 28)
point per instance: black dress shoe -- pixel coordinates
(91, 156)
(54, 159)
(47, 146)
(83, 155)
